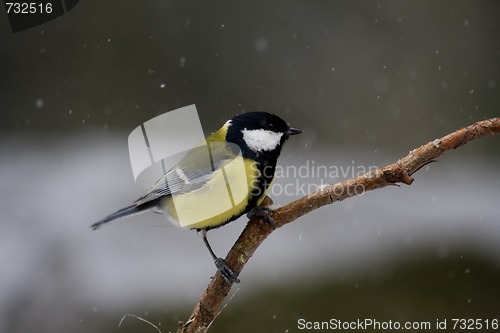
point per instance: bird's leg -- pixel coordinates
(227, 273)
(259, 211)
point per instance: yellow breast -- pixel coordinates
(225, 195)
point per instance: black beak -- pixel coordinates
(293, 131)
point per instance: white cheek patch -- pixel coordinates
(261, 140)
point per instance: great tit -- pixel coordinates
(220, 180)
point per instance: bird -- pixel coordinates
(215, 183)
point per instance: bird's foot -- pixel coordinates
(227, 273)
(263, 212)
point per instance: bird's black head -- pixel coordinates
(260, 135)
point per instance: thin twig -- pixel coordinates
(218, 313)
(139, 318)
(257, 229)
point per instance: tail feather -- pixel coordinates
(130, 210)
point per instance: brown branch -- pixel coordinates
(257, 230)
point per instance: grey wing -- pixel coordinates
(192, 172)
(176, 181)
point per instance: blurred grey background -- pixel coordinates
(367, 81)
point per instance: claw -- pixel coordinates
(263, 212)
(226, 272)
